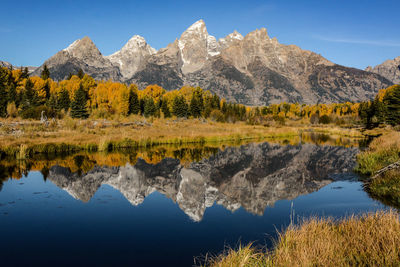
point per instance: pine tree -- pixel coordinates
(63, 101)
(78, 105)
(3, 92)
(46, 88)
(197, 103)
(165, 109)
(25, 73)
(134, 105)
(216, 102)
(392, 102)
(150, 108)
(45, 74)
(52, 102)
(12, 93)
(80, 73)
(29, 98)
(180, 108)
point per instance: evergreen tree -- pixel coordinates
(150, 108)
(52, 102)
(80, 73)
(29, 98)
(46, 88)
(180, 108)
(45, 74)
(63, 101)
(25, 73)
(3, 92)
(165, 109)
(78, 104)
(215, 102)
(134, 105)
(392, 102)
(208, 107)
(12, 93)
(69, 76)
(197, 103)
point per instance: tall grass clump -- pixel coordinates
(386, 188)
(382, 151)
(23, 152)
(369, 240)
(243, 256)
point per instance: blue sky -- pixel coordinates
(352, 33)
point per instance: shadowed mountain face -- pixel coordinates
(253, 69)
(251, 176)
(390, 69)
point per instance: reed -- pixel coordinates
(368, 240)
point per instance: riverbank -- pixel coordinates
(368, 240)
(25, 138)
(382, 152)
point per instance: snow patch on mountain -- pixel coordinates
(72, 46)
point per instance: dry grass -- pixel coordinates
(369, 240)
(382, 151)
(242, 257)
(386, 188)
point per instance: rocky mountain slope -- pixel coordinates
(81, 54)
(253, 176)
(5, 64)
(133, 55)
(254, 69)
(390, 69)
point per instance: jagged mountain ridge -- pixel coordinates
(253, 70)
(390, 69)
(252, 176)
(81, 54)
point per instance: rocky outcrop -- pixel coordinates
(81, 54)
(5, 64)
(132, 56)
(252, 176)
(390, 69)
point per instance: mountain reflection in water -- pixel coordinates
(251, 176)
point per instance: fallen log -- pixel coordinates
(390, 167)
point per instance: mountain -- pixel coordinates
(390, 69)
(252, 176)
(253, 70)
(132, 56)
(5, 64)
(81, 54)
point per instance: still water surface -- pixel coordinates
(168, 208)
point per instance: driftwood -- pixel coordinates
(392, 166)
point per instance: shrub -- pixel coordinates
(35, 112)
(12, 110)
(279, 119)
(217, 115)
(324, 119)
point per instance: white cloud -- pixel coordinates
(358, 41)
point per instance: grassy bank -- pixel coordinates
(25, 138)
(382, 152)
(369, 240)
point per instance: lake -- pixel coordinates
(171, 206)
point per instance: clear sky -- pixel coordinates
(353, 33)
